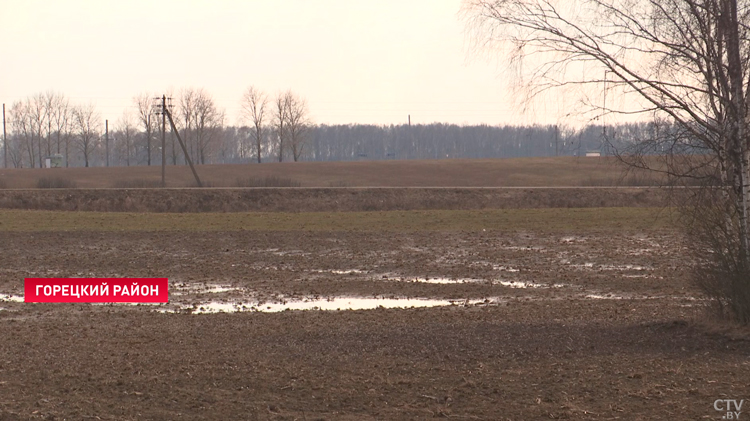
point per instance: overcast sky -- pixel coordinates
(355, 61)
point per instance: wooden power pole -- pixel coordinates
(168, 115)
(106, 139)
(5, 143)
(163, 141)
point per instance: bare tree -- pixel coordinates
(684, 62)
(15, 151)
(39, 113)
(22, 128)
(254, 104)
(60, 119)
(297, 124)
(280, 118)
(88, 127)
(144, 104)
(125, 134)
(208, 125)
(203, 123)
(186, 112)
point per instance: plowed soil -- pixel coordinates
(593, 324)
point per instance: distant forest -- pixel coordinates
(354, 142)
(359, 142)
(47, 125)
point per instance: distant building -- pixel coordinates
(593, 153)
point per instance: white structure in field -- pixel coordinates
(53, 161)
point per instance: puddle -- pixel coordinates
(604, 297)
(592, 266)
(572, 239)
(519, 284)
(340, 272)
(639, 297)
(12, 298)
(329, 304)
(511, 284)
(623, 267)
(182, 289)
(428, 280)
(505, 268)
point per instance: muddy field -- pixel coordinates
(490, 324)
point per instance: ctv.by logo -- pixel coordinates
(732, 407)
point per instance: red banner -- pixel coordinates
(96, 290)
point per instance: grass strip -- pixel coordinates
(552, 219)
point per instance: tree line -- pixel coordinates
(272, 129)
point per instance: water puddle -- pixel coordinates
(510, 284)
(182, 289)
(621, 268)
(503, 268)
(340, 272)
(325, 304)
(444, 281)
(602, 296)
(520, 284)
(11, 298)
(572, 239)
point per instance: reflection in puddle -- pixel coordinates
(338, 303)
(10, 297)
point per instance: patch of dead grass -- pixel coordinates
(554, 219)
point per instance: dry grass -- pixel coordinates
(531, 172)
(136, 183)
(55, 182)
(568, 220)
(267, 181)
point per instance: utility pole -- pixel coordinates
(163, 140)
(106, 139)
(148, 141)
(557, 138)
(160, 106)
(184, 149)
(164, 109)
(5, 143)
(604, 114)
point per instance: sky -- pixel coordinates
(354, 61)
